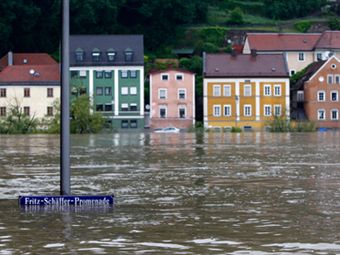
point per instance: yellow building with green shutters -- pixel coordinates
(244, 91)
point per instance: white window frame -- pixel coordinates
(216, 88)
(124, 91)
(133, 90)
(277, 106)
(303, 56)
(124, 106)
(165, 93)
(337, 114)
(247, 88)
(185, 94)
(227, 88)
(330, 77)
(280, 90)
(164, 75)
(179, 75)
(226, 106)
(163, 107)
(185, 111)
(264, 90)
(82, 73)
(324, 114)
(265, 108)
(324, 96)
(244, 110)
(124, 74)
(217, 106)
(337, 79)
(337, 96)
(300, 95)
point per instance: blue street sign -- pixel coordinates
(66, 200)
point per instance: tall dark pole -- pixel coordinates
(65, 187)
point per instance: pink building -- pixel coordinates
(172, 98)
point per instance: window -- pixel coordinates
(49, 111)
(133, 74)
(247, 110)
(80, 56)
(321, 96)
(179, 77)
(82, 74)
(318, 56)
(267, 90)
(99, 74)
(247, 90)
(108, 74)
(330, 79)
(321, 114)
(133, 107)
(165, 77)
(128, 55)
(125, 107)
(108, 107)
(2, 111)
(124, 74)
(334, 114)
(133, 124)
(99, 107)
(27, 92)
(277, 90)
(99, 91)
(217, 110)
(217, 90)
(49, 92)
(301, 56)
(181, 112)
(337, 79)
(27, 110)
(334, 96)
(292, 72)
(227, 90)
(133, 90)
(162, 111)
(125, 91)
(96, 55)
(108, 91)
(181, 93)
(300, 96)
(277, 110)
(125, 124)
(227, 110)
(111, 56)
(267, 110)
(162, 93)
(3, 92)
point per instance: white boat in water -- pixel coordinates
(168, 130)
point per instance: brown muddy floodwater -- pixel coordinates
(187, 193)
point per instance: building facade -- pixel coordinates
(321, 95)
(172, 99)
(244, 91)
(31, 82)
(110, 70)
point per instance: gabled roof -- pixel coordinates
(329, 40)
(28, 59)
(323, 65)
(282, 41)
(309, 71)
(225, 65)
(106, 43)
(30, 74)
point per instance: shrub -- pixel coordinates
(303, 26)
(236, 130)
(334, 23)
(236, 17)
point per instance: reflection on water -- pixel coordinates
(187, 193)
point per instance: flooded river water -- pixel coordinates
(187, 193)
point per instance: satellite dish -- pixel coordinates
(32, 71)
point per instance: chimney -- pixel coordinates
(10, 58)
(253, 53)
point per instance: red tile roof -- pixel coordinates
(282, 42)
(28, 59)
(22, 73)
(225, 65)
(329, 40)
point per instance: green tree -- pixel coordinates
(83, 120)
(236, 17)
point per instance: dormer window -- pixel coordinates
(80, 55)
(111, 55)
(128, 55)
(96, 55)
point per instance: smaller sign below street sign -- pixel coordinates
(66, 200)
